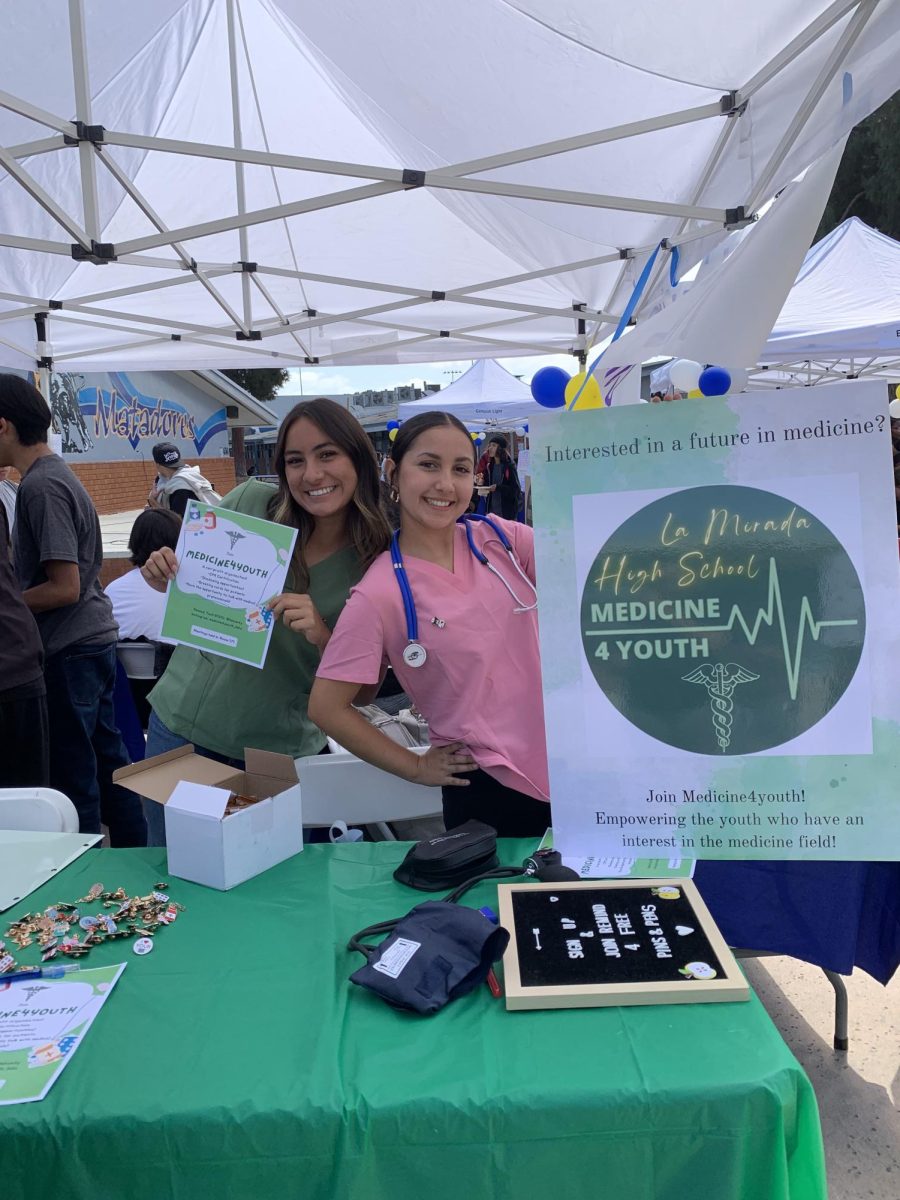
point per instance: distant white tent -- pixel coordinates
(227, 183)
(486, 394)
(842, 316)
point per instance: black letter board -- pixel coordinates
(624, 941)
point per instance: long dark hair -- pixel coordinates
(366, 522)
(503, 454)
(421, 423)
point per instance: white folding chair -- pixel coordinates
(37, 809)
(341, 786)
(137, 658)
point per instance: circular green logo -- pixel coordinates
(723, 620)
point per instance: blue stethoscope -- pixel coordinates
(414, 654)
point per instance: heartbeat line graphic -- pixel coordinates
(768, 616)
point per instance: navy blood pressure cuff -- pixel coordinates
(443, 862)
(437, 952)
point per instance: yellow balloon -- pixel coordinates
(473, 436)
(897, 391)
(591, 397)
(392, 434)
(696, 394)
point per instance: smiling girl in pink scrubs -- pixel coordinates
(472, 666)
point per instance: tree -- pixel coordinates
(867, 184)
(261, 382)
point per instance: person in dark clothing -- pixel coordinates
(58, 554)
(502, 478)
(23, 697)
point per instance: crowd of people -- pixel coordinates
(342, 621)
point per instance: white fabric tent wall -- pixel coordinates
(250, 182)
(486, 394)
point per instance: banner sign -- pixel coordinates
(718, 584)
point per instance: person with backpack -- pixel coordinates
(176, 482)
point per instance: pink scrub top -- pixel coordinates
(481, 681)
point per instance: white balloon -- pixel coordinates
(685, 374)
(894, 409)
(739, 377)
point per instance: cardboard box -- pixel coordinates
(205, 846)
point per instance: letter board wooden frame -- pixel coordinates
(613, 942)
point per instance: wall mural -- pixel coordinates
(109, 417)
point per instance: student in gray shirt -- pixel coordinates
(58, 554)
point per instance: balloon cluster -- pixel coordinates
(694, 379)
(894, 407)
(552, 387)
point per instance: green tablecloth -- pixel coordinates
(236, 1061)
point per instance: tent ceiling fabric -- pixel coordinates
(414, 180)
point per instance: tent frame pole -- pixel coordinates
(186, 260)
(240, 191)
(81, 77)
(801, 42)
(839, 52)
(47, 203)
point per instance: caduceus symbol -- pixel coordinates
(720, 680)
(235, 536)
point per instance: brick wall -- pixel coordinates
(119, 486)
(112, 568)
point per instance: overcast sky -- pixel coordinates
(334, 381)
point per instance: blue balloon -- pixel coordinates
(525, 426)
(714, 381)
(393, 425)
(548, 386)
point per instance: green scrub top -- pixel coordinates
(227, 706)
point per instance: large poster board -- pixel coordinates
(718, 585)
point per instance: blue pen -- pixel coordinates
(40, 973)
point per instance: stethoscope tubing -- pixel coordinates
(409, 605)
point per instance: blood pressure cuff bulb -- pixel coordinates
(437, 952)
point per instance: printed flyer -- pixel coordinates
(719, 671)
(229, 564)
(42, 1023)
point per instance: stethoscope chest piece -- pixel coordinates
(414, 654)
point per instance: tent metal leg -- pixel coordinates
(841, 1010)
(841, 1036)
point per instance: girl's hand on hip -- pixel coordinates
(300, 614)
(160, 567)
(440, 766)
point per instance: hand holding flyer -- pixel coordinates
(228, 565)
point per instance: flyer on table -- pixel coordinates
(229, 564)
(42, 1023)
(718, 594)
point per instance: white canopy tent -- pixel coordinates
(487, 394)
(842, 316)
(215, 183)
